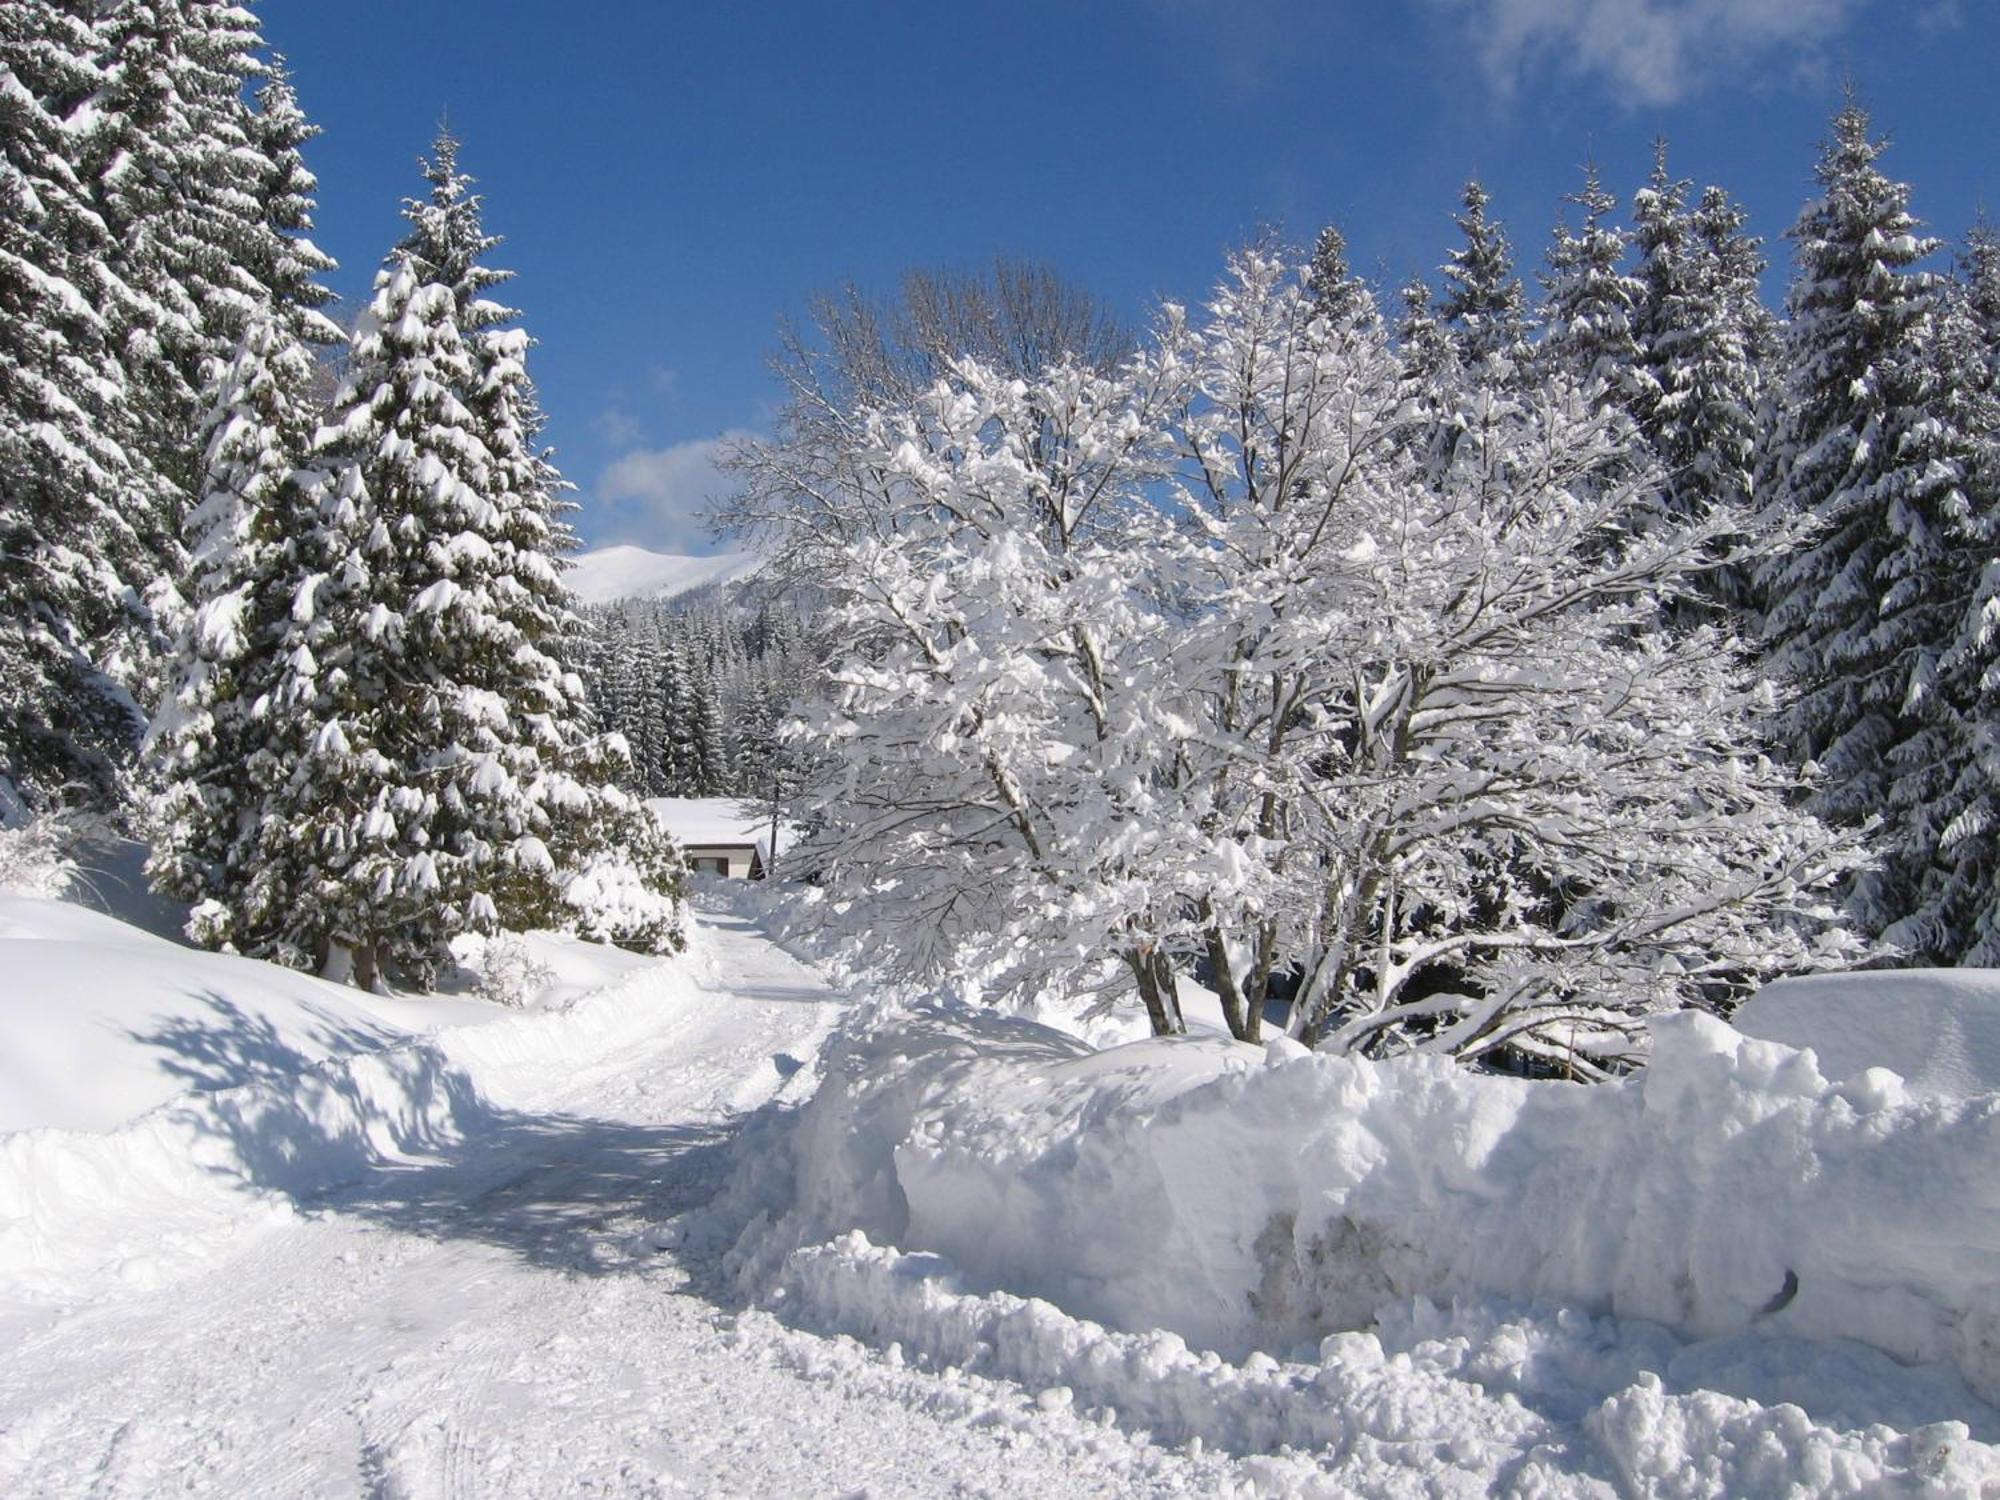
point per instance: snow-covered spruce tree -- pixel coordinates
(224, 731)
(219, 739)
(1862, 617)
(1492, 807)
(279, 252)
(1961, 890)
(455, 789)
(1337, 293)
(167, 147)
(1698, 381)
(79, 550)
(1588, 316)
(1483, 307)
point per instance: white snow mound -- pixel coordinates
(1939, 1029)
(1261, 1201)
(159, 1102)
(104, 1022)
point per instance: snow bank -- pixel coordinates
(265, 1087)
(1250, 1200)
(133, 1205)
(1939, 1029)
(104, 1021)
(1470, 1401)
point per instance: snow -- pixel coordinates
(1938, 1029)
(1152, 1222)
(697, 822)
(710, 1225)
(604, 575)
(104, 1022)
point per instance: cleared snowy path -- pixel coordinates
(515, 1320)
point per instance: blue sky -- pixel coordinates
(672, 177)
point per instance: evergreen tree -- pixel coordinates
(455, 789)
(1337, 293)
(1963, 888)
(1592, 302)
(1698, 327)
(282, 255)
(170, 157)
(77, 555)
(1862, 616)
(1483, 307)
(224, 737)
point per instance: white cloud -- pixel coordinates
(1651, 51)
(657, 497)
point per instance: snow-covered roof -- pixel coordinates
(709, 822)
(606, 574)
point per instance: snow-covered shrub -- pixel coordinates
(38, 854)
(505, 967)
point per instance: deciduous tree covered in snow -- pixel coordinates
(1206, 662)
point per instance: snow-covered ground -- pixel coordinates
(604, 575)
(709, 1226)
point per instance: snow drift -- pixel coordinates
(1260, 1201)
(1938, 1029)
(180, 1099)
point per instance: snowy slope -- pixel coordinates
(605, 574)
(511, 1292)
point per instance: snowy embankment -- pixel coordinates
(1663, 1270)
(158, 1102)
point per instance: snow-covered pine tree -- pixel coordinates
(225, 733)
(80, 545)
(467, 795)
(1698, 325)
(1862, 616)
(1591, 301)
(168, 150)
(219, 739)
(1483, 307)
(1337, 293)
(281, 254)
(1962, 887)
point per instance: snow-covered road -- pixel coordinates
(521, 1318)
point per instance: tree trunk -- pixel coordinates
(1233, 1014)
(367, 966)
(1155, 974)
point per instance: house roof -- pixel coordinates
(711, 822)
